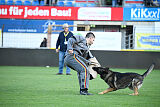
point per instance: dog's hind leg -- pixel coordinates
(106, 91)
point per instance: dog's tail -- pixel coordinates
(149, 70)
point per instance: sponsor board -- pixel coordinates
(147, 41)
(32, 26)
(94, 13)
(101, 13)
(141, 14)
(117, 14)
(61, 13)
(38, 12)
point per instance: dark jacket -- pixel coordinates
(44, 43)
(78, 44)
(61, 40)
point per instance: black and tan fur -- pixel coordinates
(117, 80)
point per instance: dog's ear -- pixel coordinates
(106, 68)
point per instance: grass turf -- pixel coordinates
(40, 87)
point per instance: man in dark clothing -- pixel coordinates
(44, 43)
(62, 42)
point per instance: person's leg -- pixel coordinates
(83, 76)
(114, 3)
(82, 72)
(61, 62)
(79, 78)
(68, 70)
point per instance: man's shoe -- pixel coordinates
(59, 74)
(68, 74)
(85, 93)
(89, 94)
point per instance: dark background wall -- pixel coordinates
(28, 57)
(48, 57)
(128, 59)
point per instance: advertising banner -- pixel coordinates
(85, 13)
(147, 41)
(102, 13)
(38, 12)
(141, 14)
(61, 13)
(116, 14)
(32, 26)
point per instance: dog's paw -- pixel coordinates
(134, 94)
(101, 93)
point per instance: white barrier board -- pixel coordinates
(103, 41)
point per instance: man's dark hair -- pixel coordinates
(90, 34)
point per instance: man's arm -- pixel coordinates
(70, 43)
(71, 33)
(58, 43)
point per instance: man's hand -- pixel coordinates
(57, 50)
(70, 51)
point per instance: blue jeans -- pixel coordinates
(114, 3)
(61, 63)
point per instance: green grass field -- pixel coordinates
(40, 87)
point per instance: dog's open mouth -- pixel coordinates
(95, 68)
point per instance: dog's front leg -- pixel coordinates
(135, 91)
(106, 91)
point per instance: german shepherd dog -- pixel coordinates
(117, 80)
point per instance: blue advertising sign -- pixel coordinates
(153, 40)
(32, 26)
(141, 14)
